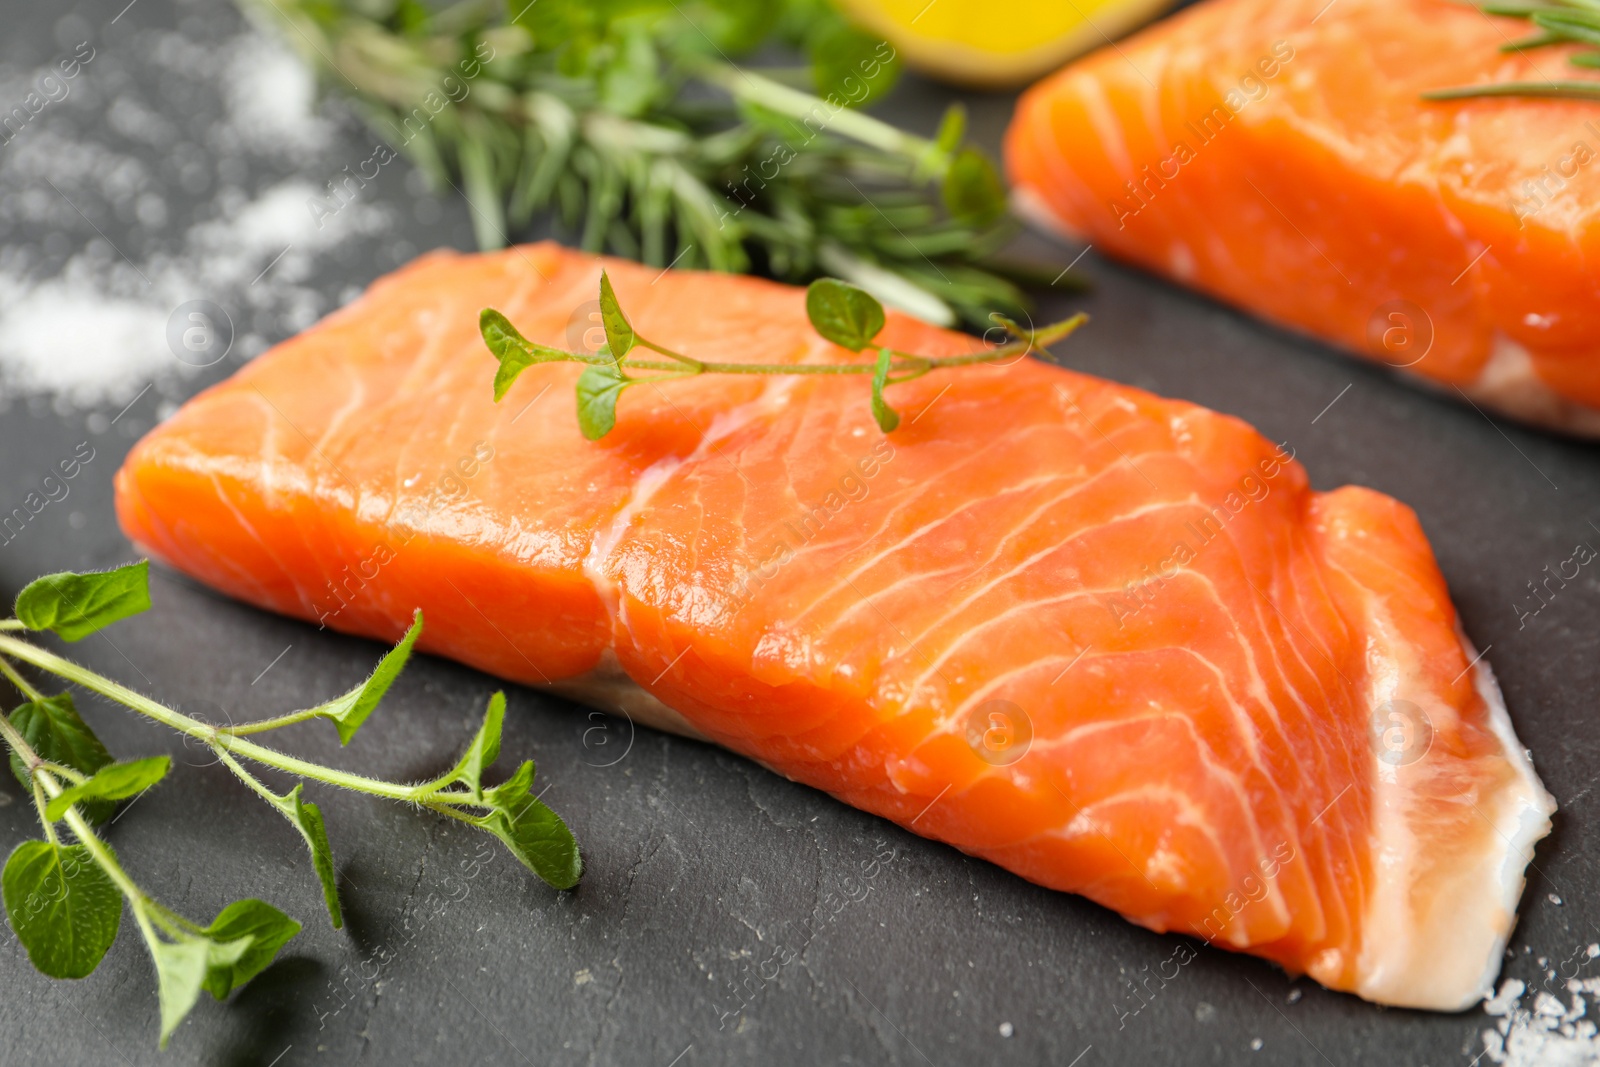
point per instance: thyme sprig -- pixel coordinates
(840, 312)
(1557, 22)
(631, 122)
(65, 900)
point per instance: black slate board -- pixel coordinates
(702, 868)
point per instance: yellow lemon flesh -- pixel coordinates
(998, 43)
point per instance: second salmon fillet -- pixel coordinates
(1278, 154)
(1111, 642)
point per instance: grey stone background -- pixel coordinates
(701, 867)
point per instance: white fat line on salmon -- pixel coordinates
(54, 489)
(809, 521)
(1139, 593)
(344, 191)
(1540, 192)
(1251, 88)
(412, 519)
(1440, 948)
(752, 977)
(774, 393)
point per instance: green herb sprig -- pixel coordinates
(65, 899)
(630, 120)
(1557, 22)
(840, 312)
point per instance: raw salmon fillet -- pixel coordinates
(1278, 155)
(1111, 642)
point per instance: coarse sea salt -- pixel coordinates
(1540, 1028)
(239, 151)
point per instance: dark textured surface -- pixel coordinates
(704, 869)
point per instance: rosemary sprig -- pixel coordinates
(1558, 22)
(630, 120)
(64, 901)
(840, 312)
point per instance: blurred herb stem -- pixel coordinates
(630, 121)
(1557, 22)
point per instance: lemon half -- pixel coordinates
(998, 43)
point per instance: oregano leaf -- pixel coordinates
(114, 781)
(75, 605)
(258, 929)
(64, 909)
(844, 314)
(973, 192)
(886, 416)
(849, 66)
(935, 160)
(952, 128)
(620, 337)
(599, 387)
(307, 818)
(485, 747)
(515, 352)
(54, 730)
(535, 834)
(181, 968)
(348, 711)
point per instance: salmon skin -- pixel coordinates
(1111, 642)
(1278, 154)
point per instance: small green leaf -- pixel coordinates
(259, 930)
(349, 711)
(973, 192)
(848, 66)
(485, 747)
(534, 834)
(885, 415)
(114, 781)
(842, 313)
(952, 128)
(53, 729)
(620, 337)
(630, 83)
(76, 605)
(598, 389)
(64, 908)
(181, 968)
(307, 818)
(515, 352)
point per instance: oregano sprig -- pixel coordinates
(65, 899)
(1557, 22)
(842, 313)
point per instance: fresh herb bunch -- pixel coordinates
(631, 121)
(840, 312)
(1557, 22)
(64, 900)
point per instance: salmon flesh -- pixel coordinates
(1111, 642)
(1278, 154)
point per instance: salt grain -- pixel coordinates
(1545, 1033)
(90, 327)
